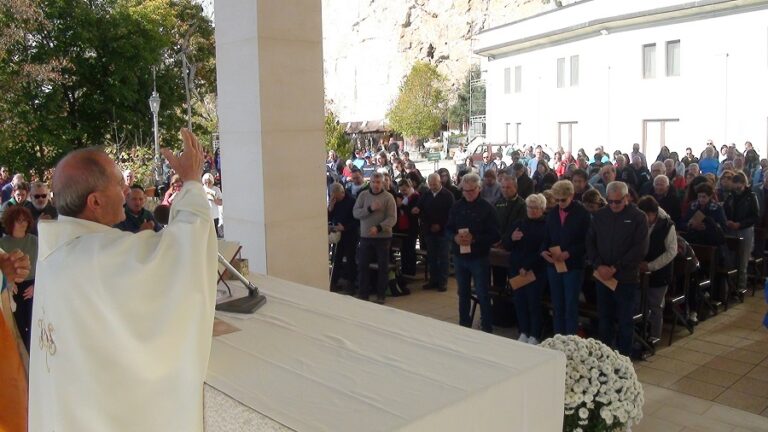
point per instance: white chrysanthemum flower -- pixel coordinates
(583, 413)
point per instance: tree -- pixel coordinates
(94, 60)
(420, 107)
(460, 112)
(335, 137)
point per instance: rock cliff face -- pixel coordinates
(370, 45)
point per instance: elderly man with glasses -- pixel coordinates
(473, 227)
(39, 204)
(617, 243)
(487, 164)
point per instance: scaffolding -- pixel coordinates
(476, 96)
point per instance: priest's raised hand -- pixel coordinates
(189, 166)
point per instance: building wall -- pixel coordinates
(270, 103)
(718, 95)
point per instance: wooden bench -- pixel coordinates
(677, 293)
(756, 277)
(707, 259)
(730, 275)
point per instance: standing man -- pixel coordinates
(7, 192)
(473, 227)
(487, 165)
(137, 218)
(39, 204)
(341, 219)
(636, 153)
(114, 352)
(741, 212)
(376, 210)
(617, 243)
(510, 210)
(524, 183)
(666, 198)
(433, 208)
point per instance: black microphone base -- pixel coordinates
(245, 305)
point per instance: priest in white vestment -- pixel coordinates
(122, 322)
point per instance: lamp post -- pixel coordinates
(154, 105)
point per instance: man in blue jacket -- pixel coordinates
(473, 228)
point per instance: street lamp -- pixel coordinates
(154, 105)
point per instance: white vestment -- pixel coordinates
(122, 323)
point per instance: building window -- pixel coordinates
(673, 58)
(518, 79)
(507, 80)
(649, 61)
(574, 70)
(561, 72)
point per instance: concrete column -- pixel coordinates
(269, 62)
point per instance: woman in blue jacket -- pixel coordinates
(524, 245)
(566, 227)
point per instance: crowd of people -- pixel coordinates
(617, 217)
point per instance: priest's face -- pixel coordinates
(111, 196)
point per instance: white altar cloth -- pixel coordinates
(316, 361)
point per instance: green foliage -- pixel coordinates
(335, 138)
(140, 160)
(460, 112)
(420, 107)
(93, 76)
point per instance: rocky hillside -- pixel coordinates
(370, 45)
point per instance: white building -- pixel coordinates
(618, 72)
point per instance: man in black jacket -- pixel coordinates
(741, 213)
(341, 219)
(433, 208)
(616, 244)
(667, 198)
(473, 227)
(524, 183)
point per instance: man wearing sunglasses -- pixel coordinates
(39, 204)
(616, 244)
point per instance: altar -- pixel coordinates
(311, 360)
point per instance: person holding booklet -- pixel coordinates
(564, 251)
(527, 269)
(617, 243)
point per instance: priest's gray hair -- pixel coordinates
(87, 174)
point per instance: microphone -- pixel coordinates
(244, 305)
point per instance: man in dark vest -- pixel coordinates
(662, 249)
(433, 208)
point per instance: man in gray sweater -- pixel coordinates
(376, 210)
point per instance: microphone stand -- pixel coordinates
(245, 305)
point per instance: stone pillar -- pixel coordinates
(269, 63)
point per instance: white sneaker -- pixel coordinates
(693, 317)
(533, 341)
(523, 338)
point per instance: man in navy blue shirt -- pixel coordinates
(473, 228)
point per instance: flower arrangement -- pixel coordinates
(602, 392)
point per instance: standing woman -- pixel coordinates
(17, 221)
(170, 195)
(524, 245)
(215, 199)
(407, 224)
(566, 227)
